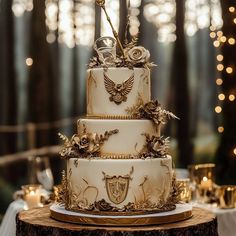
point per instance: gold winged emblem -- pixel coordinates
(117, 186)
(118, 92)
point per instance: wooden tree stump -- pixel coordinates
(37, 222)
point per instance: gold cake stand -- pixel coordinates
(182, 212)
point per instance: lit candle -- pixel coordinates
(33, 199)
(32, 195)
(206, 183)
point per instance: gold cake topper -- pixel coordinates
(101, 3)
(131, 55)
(118, 92)
(117, 186)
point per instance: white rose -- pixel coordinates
(137, 55)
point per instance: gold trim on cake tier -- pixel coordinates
(121, 221)
(121, 156)
(112, 117)
(118, 212)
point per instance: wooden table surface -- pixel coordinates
(37, 222)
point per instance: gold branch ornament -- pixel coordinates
(101, 3)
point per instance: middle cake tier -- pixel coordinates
(129, 140)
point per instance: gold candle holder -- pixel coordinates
(185, 195)
(227, 196)
(203, 176)
(32, 195)
(199, 171)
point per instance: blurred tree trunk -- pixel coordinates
(41, 87)
(54, 59)
(97, 33)
(141, 27)
(123, 20)
(8, 89)
(181, 98)
(75, 75)
(225, 157)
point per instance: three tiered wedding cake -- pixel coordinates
(118, 161)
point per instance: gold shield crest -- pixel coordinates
(117, 187)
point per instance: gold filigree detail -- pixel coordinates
(145, 76)
(78, 200)
(118, 92)
(85, 145)
(165, 163)
(117, 186)
(164, 204)
(91, 78)
(76, 163)
(145, 202)
(142, 187)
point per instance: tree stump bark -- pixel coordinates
(37, 222)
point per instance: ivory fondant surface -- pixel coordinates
(128, 141)
(98, 102)
(129, 181)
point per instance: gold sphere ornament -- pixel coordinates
(100, 3)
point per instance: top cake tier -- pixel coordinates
(111, 91)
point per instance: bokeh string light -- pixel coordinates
(19, 7)
(162, 15)
(29, 61)
(219, 39)
(70, 22)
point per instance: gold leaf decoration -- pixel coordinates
(151, 110)
(85, 145)
(176, 190)
(155, 147)
(62, 192)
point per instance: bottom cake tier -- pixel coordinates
(116, 186)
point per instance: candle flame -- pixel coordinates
(204, 178)
(32, 193)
